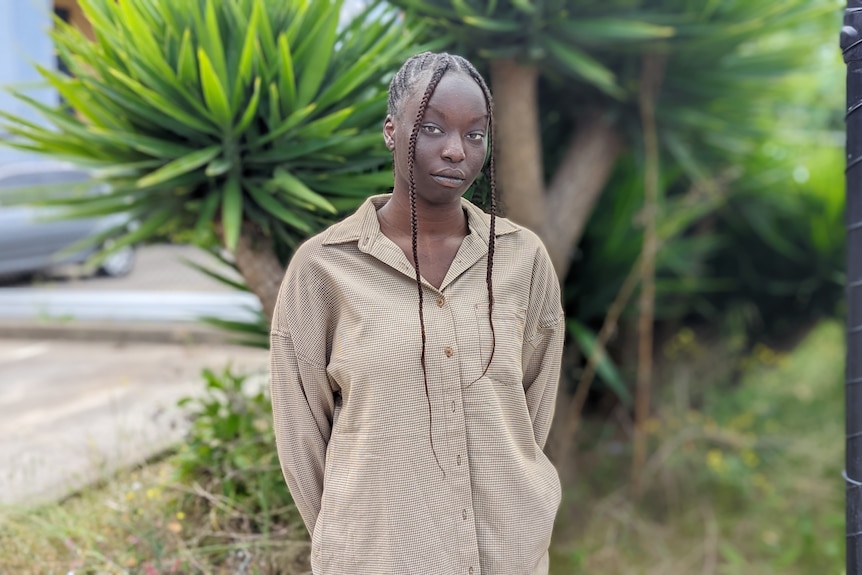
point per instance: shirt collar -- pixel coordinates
(362, 225)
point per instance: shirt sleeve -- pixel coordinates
(302, 406)
(303, 403)
(544, 349)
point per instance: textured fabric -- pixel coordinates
(352, 419)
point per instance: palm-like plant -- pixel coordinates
(254, 119)
(567, 74)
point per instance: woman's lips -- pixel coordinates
(448, 181)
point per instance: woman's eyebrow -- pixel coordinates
(481, 118)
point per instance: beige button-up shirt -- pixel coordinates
(352, 419)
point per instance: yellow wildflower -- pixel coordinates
(715, 461)
(749, 458)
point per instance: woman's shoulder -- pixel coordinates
(315, 248)
(508, 234)
(344, 231)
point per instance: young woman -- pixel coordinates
(415, 359)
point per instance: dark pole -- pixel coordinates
(851, 45)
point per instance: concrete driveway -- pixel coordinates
(82, 393)
(71, 411)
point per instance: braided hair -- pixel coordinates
(403, 84)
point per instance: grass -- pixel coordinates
(742, 478)
(136, 523)
(750, 483)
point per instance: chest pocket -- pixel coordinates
(509, 324)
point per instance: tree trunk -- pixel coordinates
(518, 142)
(651, 80)
(259, 266)
(576, 187)
(558, 214)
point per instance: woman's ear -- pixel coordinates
(389, 133)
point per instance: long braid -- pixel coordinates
(411, 161)
(492, 179)
(401, 85)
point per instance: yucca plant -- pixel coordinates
(567, 75)
(252, 121)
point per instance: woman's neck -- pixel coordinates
(435, 221)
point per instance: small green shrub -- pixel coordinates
(230, 457)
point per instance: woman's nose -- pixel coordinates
(453, 150)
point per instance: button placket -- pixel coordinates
(457, 461)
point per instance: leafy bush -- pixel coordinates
(230, 453)
(740, 479)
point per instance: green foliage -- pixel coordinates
(230, 451)
(205, 112)
(714, 93)
(763, 258)
(605, 368)
(750, 221)
(728, 466)
(567, 38)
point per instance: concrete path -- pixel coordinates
(70, 411)
(81, 396)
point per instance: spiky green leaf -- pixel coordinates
(231, 212)
(180, 166)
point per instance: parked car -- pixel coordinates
(32, 241)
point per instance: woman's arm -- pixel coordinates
(303, 403)
(543, 350)
(302, 406)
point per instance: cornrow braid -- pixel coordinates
(414, 231)
(403, 84)
(404, 81)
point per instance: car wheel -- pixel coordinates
(118, 264)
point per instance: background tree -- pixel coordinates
(566, 75)
(665, 107)
(258, 120)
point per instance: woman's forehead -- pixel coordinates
(455, 93)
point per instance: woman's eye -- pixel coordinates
(432, 129)
(476, 136)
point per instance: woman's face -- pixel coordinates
(452, 140)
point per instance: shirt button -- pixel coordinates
(458, 459)
(470, 571)
(441, 302)
(453, 406)
(448, 351)
(464, 514)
